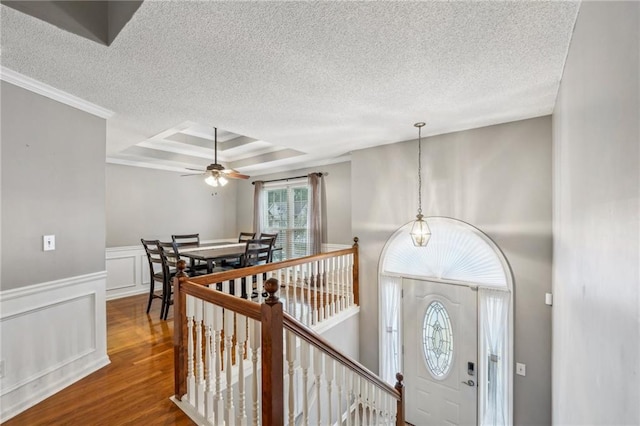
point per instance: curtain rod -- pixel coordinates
(320, 174)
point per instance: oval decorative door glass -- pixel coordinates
(437, 339)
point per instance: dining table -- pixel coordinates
(213, 252)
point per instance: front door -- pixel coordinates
(440, 353)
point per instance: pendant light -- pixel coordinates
(420, 232)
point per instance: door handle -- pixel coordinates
(469, 383)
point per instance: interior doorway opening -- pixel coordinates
(458, 254)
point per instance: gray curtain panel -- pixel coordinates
(315, 213)
(258, 206)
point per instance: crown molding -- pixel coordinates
(51, 92)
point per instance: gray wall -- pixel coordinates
(154, 204)
(497, 178)
(338, 194)
(53, 182)
(596, 312)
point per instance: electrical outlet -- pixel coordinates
(48, 242)
(521, 369)
(2, 369)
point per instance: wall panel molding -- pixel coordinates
(62, 326)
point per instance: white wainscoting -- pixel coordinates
(127, 271)
(53, 334)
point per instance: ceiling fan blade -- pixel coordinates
(236, 175)
(193, 174)
(195, 170)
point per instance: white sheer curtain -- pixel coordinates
(258, 207)
(494, 354)
(390, 334)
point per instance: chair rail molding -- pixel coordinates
(61, 324)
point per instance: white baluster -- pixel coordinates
(394, 410)
(385, 408)
(255, 337)
(208, 360)
(241, 338)
(357, 387)
(328, 294)
(348, 378)
(259, 287)
(328, 372)
(314, 282)
(349, 278)
(317, 371)
(217, 333)
(191, 378)
(308, 279)
(377, 407)
(339, 383)
(321, 288)
(228, 336)
(199, 360)
(237, 286)
(304, 365)
(343, 272)
(371, 393)
(291, 357)
(332, 282)
(294, 279)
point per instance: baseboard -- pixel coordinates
(61, 325)
(42, 393)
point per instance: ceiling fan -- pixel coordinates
(216, 173)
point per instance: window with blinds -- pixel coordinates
(286, 212)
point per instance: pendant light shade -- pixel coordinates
(420, 232)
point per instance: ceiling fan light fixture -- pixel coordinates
(210, 180)
(216, 181)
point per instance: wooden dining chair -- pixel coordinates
(273, 237)
(173, 255)
(159, 271)
(244, 236)
(257, 252)
(186, 240)
(189, 241)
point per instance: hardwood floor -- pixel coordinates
(134, 389)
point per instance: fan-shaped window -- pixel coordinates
(437, 339)
(456, 252)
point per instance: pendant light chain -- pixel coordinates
(420, 170)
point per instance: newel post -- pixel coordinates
(179, 332)
(400, 388)
(272, 357)
(356, 272)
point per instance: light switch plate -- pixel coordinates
(548, 299)
(521, 369)
(2, 369)
(48, 242)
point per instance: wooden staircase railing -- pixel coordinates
(218, 336)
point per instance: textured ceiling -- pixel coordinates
(319, 78)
